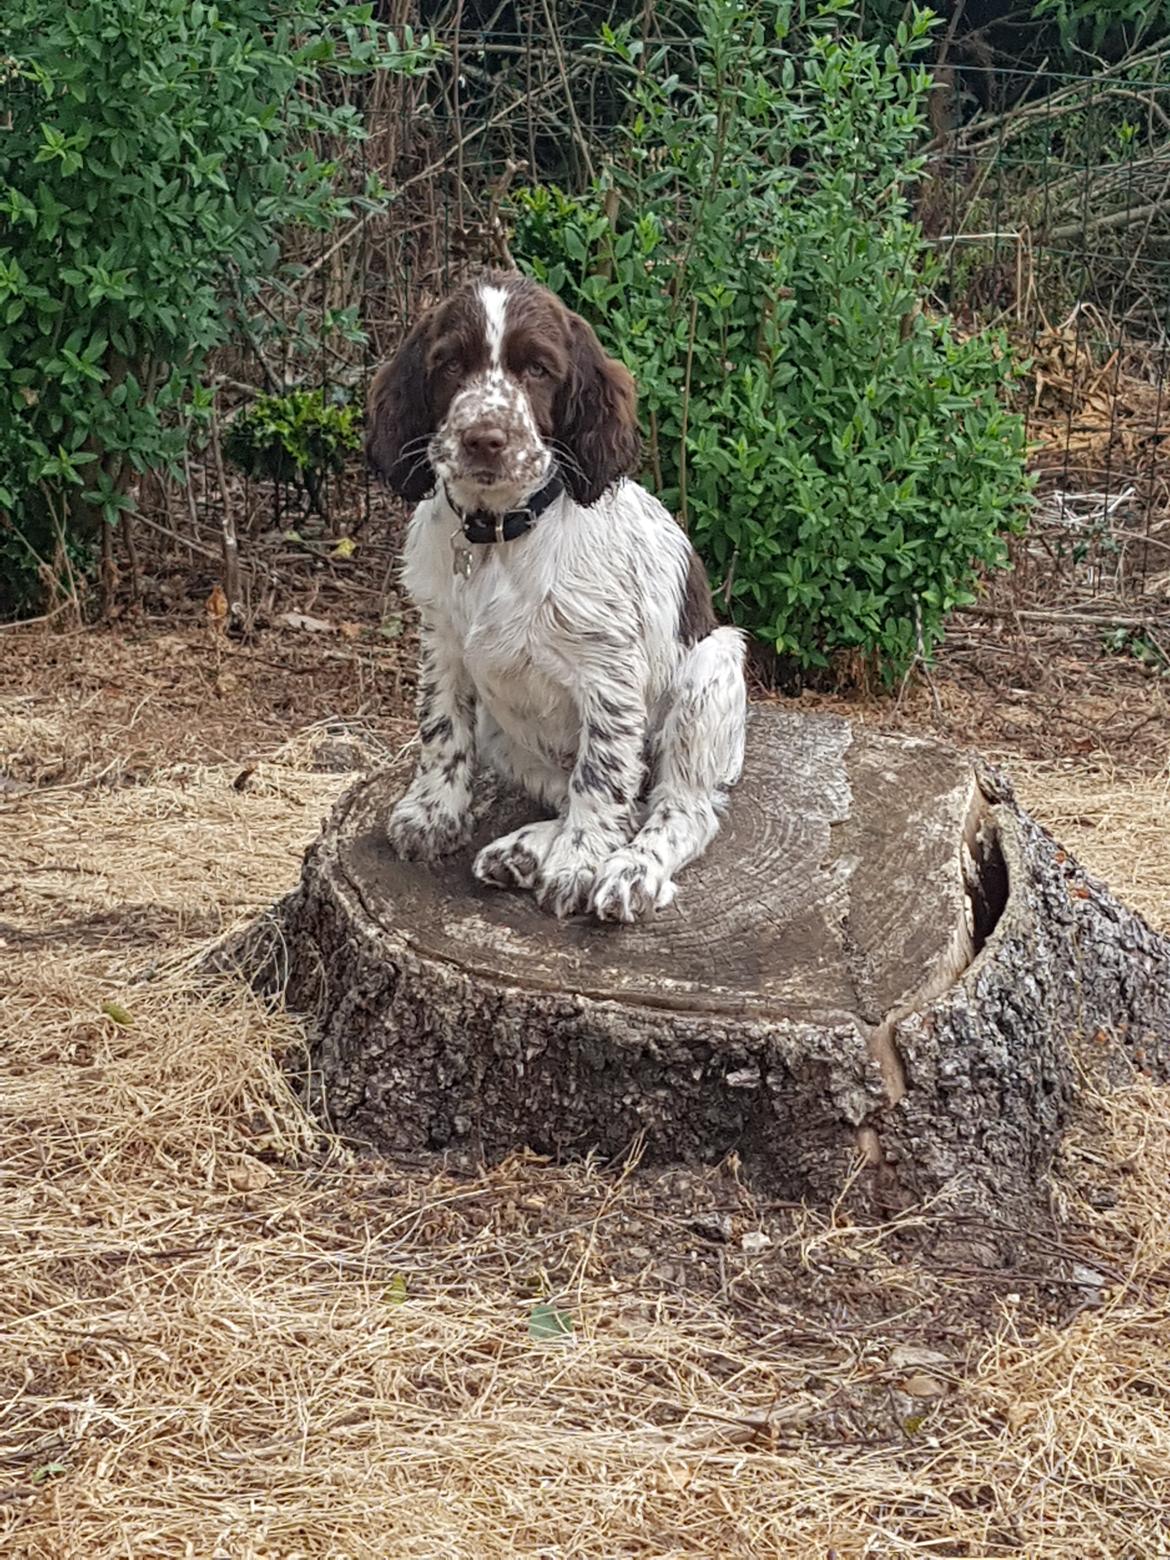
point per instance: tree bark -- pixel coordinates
(882, 962)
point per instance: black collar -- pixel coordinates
(483, 526)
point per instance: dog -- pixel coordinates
(567, 640)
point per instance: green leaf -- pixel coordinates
(395, 1293)
(546, 1324)
(51, 1470)
(118, 1013)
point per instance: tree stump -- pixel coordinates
(881, 955)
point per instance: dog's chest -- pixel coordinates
(508, 648)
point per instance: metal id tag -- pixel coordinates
(461, 556)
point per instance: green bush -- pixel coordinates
(299, 438)
(845, 464)
(1087, 25)
(155, 151)
(1053, 38)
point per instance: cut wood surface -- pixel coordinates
(880, 961)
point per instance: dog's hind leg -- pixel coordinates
(698, 755)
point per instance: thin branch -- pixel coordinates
(1066, 100)
(567, 88)
(1128, 217)
(183, 541)
(126, 527)
(192, 510)
(686, 408)
(274, 383)
(231, 545)
(45, 617)
(493, 224)
(1039, 615)
(428, 172)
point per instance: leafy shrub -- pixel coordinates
(1053, 38)
(1086, 25)
(298, 438)
(155, 150)
(844, 463)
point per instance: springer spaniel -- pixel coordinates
(567, 640)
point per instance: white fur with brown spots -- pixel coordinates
(581, 659)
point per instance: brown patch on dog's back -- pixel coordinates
(696, 618)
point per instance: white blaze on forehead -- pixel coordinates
(494, 392)
(495, 305)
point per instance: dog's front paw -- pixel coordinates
(515, 860)
(566, 876)
(421, 830)
(630, 886)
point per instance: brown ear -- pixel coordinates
(399, 422)
(597, 418)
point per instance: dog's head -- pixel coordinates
(492, 388)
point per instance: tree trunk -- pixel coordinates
(881, 961)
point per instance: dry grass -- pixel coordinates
(222, 1336)
(1115, 822)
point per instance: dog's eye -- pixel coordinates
(447, 368)
(536, 371)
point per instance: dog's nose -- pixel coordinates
(484, 441)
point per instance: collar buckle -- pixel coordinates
(482, 526)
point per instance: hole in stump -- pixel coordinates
(987, 883)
